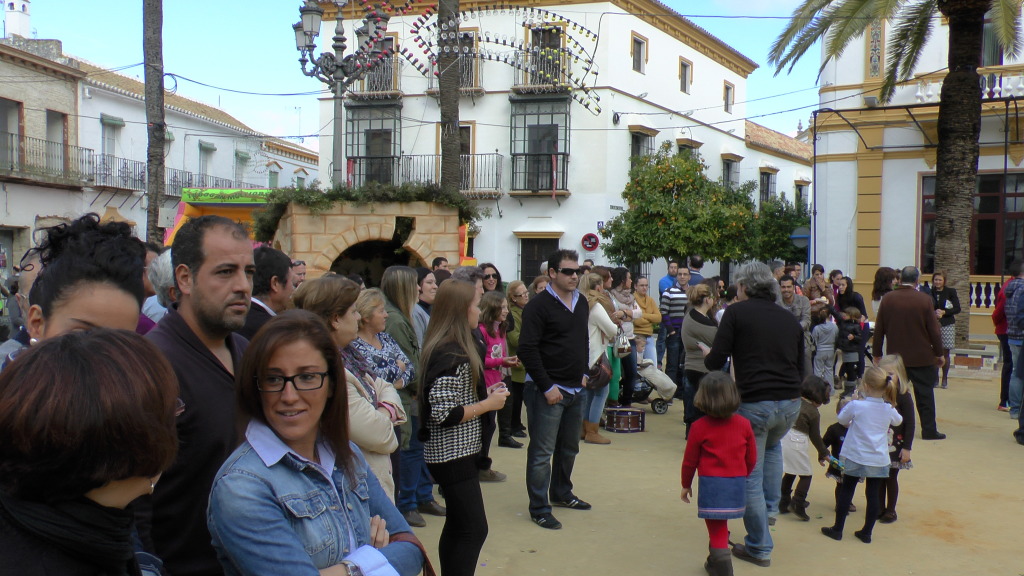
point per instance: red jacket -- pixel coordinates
(999, 314)
(722, 447)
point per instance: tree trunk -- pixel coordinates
(152, 49)
(959, 128)
(448, 98)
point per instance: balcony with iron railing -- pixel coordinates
(479, 174)
(540, 70)
(383, 80)
(33, 159)
(470, 76)
(537, 173)
(120, 173)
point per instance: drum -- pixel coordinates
(624, 420)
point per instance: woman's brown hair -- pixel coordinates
(287, 328)
(84, 409)
(490, 311)
(449, 323)
(328, 297)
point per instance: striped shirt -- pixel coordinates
(673, 307)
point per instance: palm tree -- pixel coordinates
(839, 22)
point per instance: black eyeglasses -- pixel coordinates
(490, 276)
(298, 263)
(303, 381)
(570, 271)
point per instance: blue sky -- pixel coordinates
(249, 46)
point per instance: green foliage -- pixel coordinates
(674, 209)
(266, 219)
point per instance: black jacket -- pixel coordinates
(254, 320)
(554, 342)
(940, 298)
(846, 328)
(172, 522)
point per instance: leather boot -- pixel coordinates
(592, 436)
(784, 503)
(719, 562)
(798, 506)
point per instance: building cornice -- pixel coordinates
(651, 11)
(42, 65)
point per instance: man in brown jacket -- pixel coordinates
(906, 324)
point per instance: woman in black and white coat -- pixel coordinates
(454, 397)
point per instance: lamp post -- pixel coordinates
(335, 69)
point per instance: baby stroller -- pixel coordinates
(653, 380)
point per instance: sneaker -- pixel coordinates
(546, 521)
(491, 475)
(414, 519)
(863, 536)
(740, 551)
(1003, 408)
(574, 503)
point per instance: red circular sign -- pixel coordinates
(590, 242)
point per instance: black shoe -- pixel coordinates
(740, 551)
(519, 434)
(509, 442)
(432, 508)
(887, 517)
(799, 509)
(863, 536)
(574, 503)
(832, 532)
(546, 521)
(933, 436)
(414, 519)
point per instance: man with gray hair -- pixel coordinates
(766, 344)
(160, 274)
(905, 324)
(472, 274)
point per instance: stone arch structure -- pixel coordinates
(318, 239)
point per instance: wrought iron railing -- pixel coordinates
(541, 68)
(380, 169)
(384, 76)
(29, 157)
(122, 173)
(469, 74)
(478, 172)
(540, 172)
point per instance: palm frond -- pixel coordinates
(850, 21)
(802, 18)
(806, 37)
(906, 43)
(1005, 15)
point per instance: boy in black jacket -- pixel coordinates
(849, 343)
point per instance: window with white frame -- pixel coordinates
(241, 163)
(728, 97)
(731, 172)
(206, 150)
(110, 132)
(767, 185)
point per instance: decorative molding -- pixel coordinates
(645, 130)
(689, 143)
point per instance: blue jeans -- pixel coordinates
(771, 420)
(554, 444)
(651, 351)
(1016, 381)
(660, 346)
(595, 401)
(674, 360)
(416, 487)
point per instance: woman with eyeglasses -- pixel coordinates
(454, 406)
(374, 408)
(492, 278)
(297, 497)
(510, 419)
(88, 425)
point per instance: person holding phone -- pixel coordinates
(455, 403)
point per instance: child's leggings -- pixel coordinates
(845, 498)
(718, 532)
(890, 487)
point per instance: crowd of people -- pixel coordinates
(207, 409)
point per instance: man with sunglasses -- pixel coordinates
(299, 271)
(553, 347)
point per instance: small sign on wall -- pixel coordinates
(590, 242)
(600, 224)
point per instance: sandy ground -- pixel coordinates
(957, 507)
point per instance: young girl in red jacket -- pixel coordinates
(721, 449)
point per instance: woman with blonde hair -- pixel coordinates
(602, 333)
(510, 419)
(455, 422)
(374, 408)
(698, 334)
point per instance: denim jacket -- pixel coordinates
(286, 517)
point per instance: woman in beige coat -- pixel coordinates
(374, 408)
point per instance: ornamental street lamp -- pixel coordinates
(335, 69)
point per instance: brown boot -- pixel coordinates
(592, 436)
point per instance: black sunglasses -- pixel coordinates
(490, 276)
(298, 263)
(570, 271)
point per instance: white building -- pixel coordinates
(876, 164)
(73, 140)
(555, 102)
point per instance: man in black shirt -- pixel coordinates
(766, 343)
(553, 347)
(213, 271)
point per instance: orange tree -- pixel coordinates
(772, 228)
(674, 209)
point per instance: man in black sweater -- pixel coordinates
(766, 343)
(553, 347)
(213, 270)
